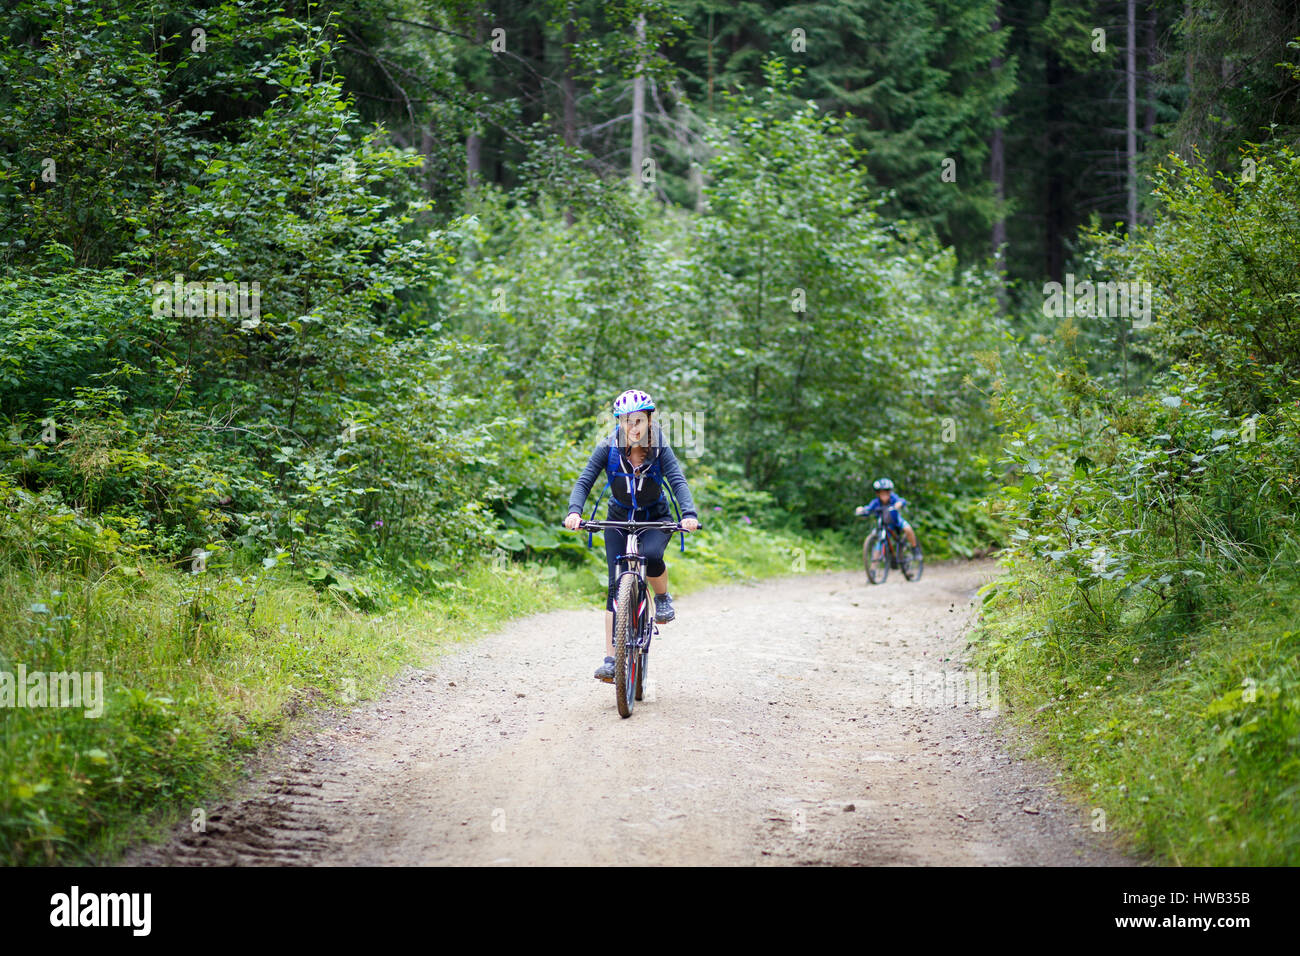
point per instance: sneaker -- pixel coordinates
(664, 609)
(605, 671)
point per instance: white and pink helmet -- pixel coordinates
(633, 400)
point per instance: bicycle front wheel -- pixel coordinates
(904, 555)
(643, 653)
(643, 664)
(625, 649)
(876, 558)
(912, 564)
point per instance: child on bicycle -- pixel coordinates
(636, 450)
(891, 504)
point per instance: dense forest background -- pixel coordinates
(821, 234)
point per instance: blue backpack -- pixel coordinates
(654, 474)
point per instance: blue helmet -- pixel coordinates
(633, 400)
(883, 484)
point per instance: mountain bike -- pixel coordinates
(634, 612)
(885, 548)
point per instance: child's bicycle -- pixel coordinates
(885, 548)
(634, 612)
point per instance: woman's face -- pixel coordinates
(636, 427)
(883, 495)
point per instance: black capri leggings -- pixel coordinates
(650, 542)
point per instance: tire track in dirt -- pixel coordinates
(781, 726)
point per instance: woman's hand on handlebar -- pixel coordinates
(690, 524)
(573, 521)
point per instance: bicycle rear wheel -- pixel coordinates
(625, 649)
(876, 558)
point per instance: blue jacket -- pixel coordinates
(895, 519)
(893, 500)
(660, 454)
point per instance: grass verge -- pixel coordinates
(1184, 741)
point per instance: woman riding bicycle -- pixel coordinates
(637, 461)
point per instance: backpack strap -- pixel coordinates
(656, 472)
(676, 514)
(592, 517)
(609, 471)
(613, 471)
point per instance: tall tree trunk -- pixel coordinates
(1130, 99)
(474, 141)
(998, 173)
(570, 86)
(473, 159)
(638, 104)
(426, 150)
(1055, 213)
(711, 61)
(1149, 120)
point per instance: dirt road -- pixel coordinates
(809, 720)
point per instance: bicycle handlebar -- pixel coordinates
(632, 526)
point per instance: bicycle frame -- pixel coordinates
(892, 535)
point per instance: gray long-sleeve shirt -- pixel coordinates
(668, 466)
